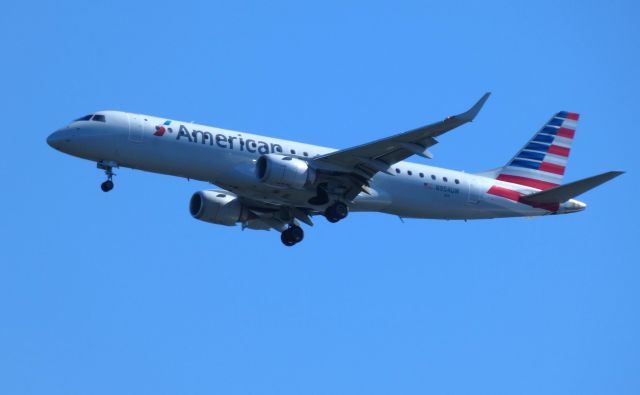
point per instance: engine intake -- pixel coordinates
(216, 207)
(284, 171)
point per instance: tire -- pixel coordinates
(286, 238)
(333, 220)
(297, 234)
(336, 212)
(106, 186)
(341, 210)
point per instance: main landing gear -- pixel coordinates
(292, 235)
(336, 212)
(108, 170)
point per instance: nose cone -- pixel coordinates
(56, 139)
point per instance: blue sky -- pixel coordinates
(126, 293)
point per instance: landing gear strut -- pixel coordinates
(336, 212)
(292, 235)
(108, 170)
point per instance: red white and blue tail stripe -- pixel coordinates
(541, 163)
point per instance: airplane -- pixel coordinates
(268, 183)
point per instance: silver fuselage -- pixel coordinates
(227, 158)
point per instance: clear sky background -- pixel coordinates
(125, 293)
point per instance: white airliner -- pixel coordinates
(276, 184)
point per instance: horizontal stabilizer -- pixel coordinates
(562, 193)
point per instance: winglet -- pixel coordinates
(473, 111)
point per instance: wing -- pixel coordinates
(352, 168)
(347, 172)
(378, 156)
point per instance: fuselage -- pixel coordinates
(228, 159)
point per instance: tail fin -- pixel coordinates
(542, 161)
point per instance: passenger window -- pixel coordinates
(409, 172)
(305, 154)
(397, 170)
(457, 181)
(433, 177)
(85, 118)
(293, 152)
(421, 175)
(99, 118)
(444, 179)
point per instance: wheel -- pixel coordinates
(287, 238)
(341, 210)
(297, 233)
(107, 186)
(292, 235)
(336, 212)
(333, 220)
(331, 215)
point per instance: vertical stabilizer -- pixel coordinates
(541, 163)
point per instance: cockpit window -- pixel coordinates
(99, 118)
(85, 118)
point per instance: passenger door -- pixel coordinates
(136, 130)
(474, 189)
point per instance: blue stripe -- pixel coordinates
(531, 155)
(537, 147)
(525, 163)
(543, 138)
(555, 122)
(562, 114)
(550, 130)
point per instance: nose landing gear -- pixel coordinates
(108, 170)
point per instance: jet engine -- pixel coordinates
(284, 171)
(216, 207)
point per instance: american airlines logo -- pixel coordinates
(162, 129)
(221, 140)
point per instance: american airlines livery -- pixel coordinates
(268, 183)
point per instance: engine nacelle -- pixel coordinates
(284, 171)
(216, 207)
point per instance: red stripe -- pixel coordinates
(558, 150)
(568, 133)
(505, 193)
(573, 115)
(551, 168)
(530, 182)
